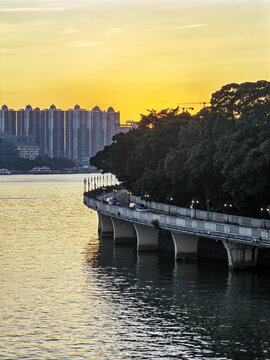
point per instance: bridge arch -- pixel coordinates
(105, 226)
(123, 231)
(147, 237)
(185, 245)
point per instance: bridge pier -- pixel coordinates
(105, 226)
(147, 237)
(240, 256)
(123, 231)
(185, 245)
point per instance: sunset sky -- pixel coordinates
(133, 55)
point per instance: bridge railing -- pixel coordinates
(205, 215)
(204, 227)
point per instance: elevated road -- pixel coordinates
(240, 241)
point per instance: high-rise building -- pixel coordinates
(69, 133)
(44, 133)
(30, 152)
(77, 133)
(25, 121)
(56, 132)
(20, 122)
(83, 135)
(112, 125)
(8, 151)
(3, 117)
(7, 121)
(98, 121)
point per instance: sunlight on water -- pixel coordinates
(67, 295)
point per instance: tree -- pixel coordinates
(220, 154)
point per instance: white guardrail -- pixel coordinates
(205, 215)
(207, 227)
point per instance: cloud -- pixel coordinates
(178, 27)
(5, 50)
(182, 27)
(31, 9)
(68, 31)
(115, 31)
(191, 26)
(82, 43)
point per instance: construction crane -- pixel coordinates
(195, 103)
(203, 103)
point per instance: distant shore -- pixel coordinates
(28, 172)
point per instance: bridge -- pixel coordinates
(179, 230)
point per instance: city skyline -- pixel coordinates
(137, 55)
(75, 133)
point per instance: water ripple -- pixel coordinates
(67, 295)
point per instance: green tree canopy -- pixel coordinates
(220, 154)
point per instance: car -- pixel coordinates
(140, 207)
(132, 205)
(112, 201)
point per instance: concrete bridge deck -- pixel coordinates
(241, 242)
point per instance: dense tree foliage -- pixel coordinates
(220, 155)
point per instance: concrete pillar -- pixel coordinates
(240, 256)
(99, 223)
(105, 225)
(147, 237)
(185, 245)
(123, 230)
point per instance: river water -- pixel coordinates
(65, 294)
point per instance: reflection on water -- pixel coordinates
(67, 295)
(185, 310)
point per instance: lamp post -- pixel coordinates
(265, 210)
(208, 207)
(193, 207)
(128, 194)
(146, 197)
(114, 193)
(228, 207)
(208, 204)
(170, 199)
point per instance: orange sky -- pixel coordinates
(133, 55)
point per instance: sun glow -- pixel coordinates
(132, 55)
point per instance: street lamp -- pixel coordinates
(228, 207)
(114, 193)
(194, 202)
(265, 210)
(208, 204)
(170, 199)
(146, 196)
(128, 194)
